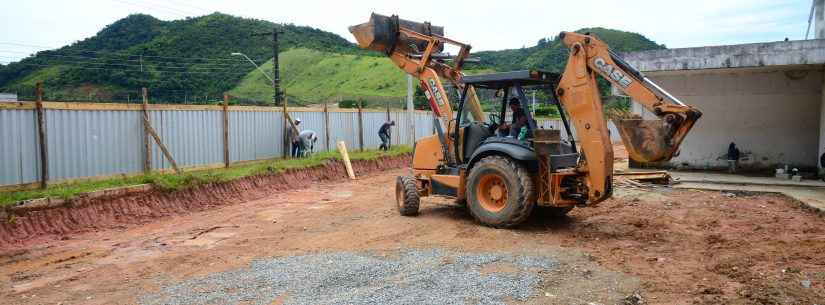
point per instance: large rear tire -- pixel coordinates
(406, 196)
(500, 192)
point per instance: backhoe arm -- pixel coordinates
(413, 47)
(645, 141)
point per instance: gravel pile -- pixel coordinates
(405, 277)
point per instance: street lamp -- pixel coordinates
(254, 64)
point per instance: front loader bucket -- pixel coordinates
(382, 34)
(646, 140)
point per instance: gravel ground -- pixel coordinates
(405, 277)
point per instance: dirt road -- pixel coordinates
(670, 246)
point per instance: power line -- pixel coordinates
(80, 57)
(156, 66)
(125, 70)
(77, 50)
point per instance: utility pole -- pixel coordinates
(277, 96)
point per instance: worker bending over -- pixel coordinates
(384, 134)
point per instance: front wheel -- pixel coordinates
(406, 196)
(500, 192)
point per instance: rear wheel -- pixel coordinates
(500, 192)
(406, 196)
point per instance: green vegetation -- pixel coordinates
(171, 181)
(169, 57)
(189, 61)
(551, 54)
(312, 76)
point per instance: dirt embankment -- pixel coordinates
(94, 214)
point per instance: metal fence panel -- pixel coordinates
(91, 143)
(84, 143)
(19, 151)
(194, 138)
(255, 135)
(372, 122)
(343, 126)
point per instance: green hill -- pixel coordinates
(551, 54)
(169, 57)
(189, 60)
(312, 76)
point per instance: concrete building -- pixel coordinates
(768, 98)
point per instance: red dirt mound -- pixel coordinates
(95, 214)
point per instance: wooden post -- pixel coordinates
(360, 126)
(147, 146)
(287, 150)
(342, 148)
(326, 126)
(42, 140)
(226, 130)
(389, 143)
(148, 129)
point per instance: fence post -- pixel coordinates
(287, 151)
(41, 132)
(326, 126)
(226, 130)
(147, 157)
(360, 126)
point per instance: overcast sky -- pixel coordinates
(487, 25)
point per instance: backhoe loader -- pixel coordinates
(502, 178)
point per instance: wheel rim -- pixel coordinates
(492, 192)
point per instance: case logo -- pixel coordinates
(615, 74)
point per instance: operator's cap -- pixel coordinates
(297, 120)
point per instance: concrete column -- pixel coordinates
(819, 19)
(821, 128)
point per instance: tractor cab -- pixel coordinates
(510, 128)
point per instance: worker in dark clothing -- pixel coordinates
(733, 157)
(519, 120)
(384, 134)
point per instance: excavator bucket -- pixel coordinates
(646, 140)
(382, 34)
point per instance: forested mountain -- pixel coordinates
(551, 54)
(189, 60)
(167, 56)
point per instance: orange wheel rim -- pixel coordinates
(492, 192)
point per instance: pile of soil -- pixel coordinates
(82, 215)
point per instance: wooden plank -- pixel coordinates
(342, 148)
(18, 105)
(42, 138)
(287, 148)
(360, 127)
(163, 148)
(226, 129)
(57, 105)
(326, 126)
(147, 145)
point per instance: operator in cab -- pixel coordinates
(519, 122)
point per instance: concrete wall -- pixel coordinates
(772, 115)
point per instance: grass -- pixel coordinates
(172, 181)
(315, 76)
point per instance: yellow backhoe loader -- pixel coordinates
(502, 177)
